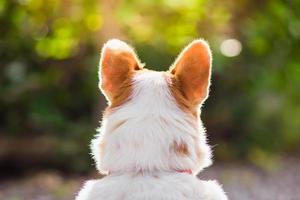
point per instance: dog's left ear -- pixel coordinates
(192, 70)
(118, 62)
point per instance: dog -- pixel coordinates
(152, 143)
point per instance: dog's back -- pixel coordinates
(152, 142)
(153, 186)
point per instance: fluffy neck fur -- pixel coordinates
(148, 132)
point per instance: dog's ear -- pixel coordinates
(118, 62)
(192, 70)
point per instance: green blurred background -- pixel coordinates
(50, 105)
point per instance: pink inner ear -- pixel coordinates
(106, 84)
(106, 70)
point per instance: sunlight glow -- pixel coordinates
(231, 47)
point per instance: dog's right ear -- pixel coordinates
(117, 64)
(192, 69)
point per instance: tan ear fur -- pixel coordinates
(118, 62)
(192, 70)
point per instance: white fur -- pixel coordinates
(153, 122)
(139, 137)
(115, 44)
(154, 186)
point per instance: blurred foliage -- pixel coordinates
(49, 52)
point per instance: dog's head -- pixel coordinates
(152, 121)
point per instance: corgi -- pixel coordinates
(152, 143)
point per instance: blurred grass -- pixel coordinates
(49, 53)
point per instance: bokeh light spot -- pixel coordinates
(231, 47)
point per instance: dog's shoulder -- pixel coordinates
(212, 190)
